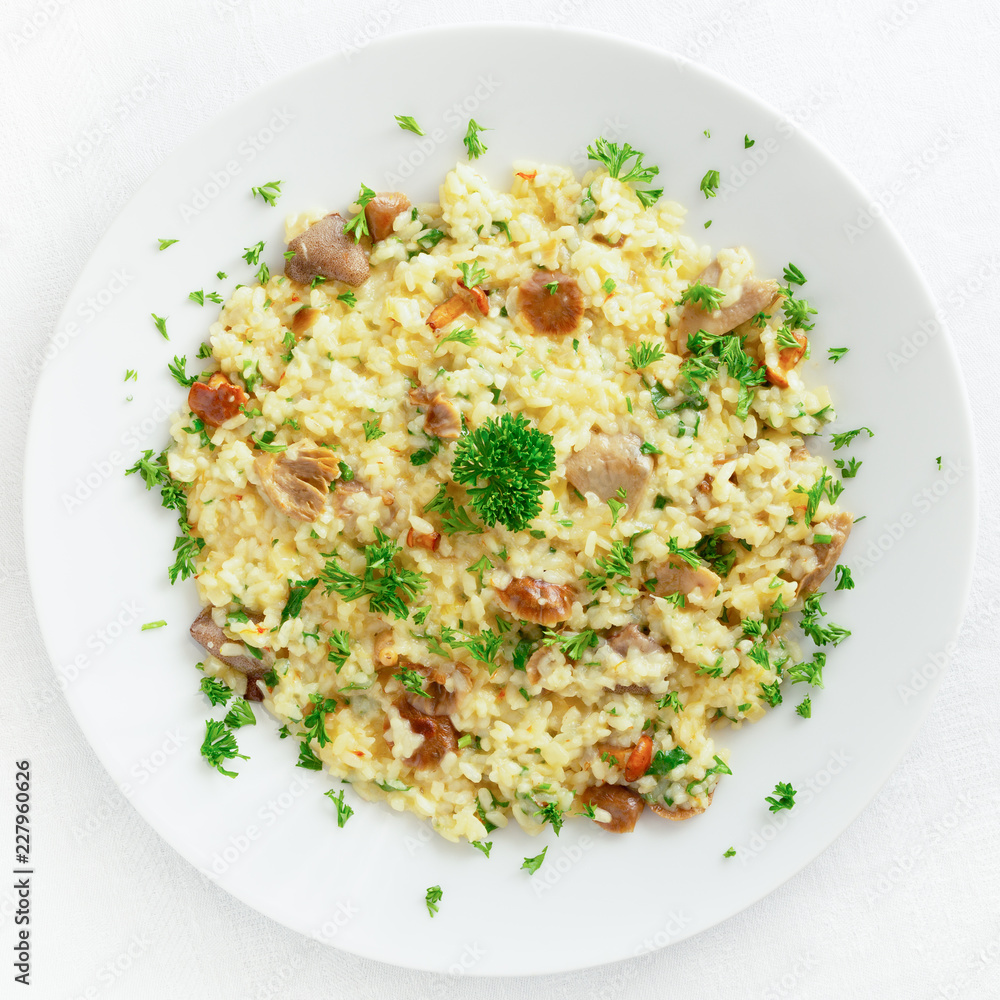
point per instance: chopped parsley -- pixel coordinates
(644, 354)
(409, 124)
(671, 700)
(783, 798)
(359, 224)
(664, 763)
(771, 693)
(844, 579)
(844, 439)
(160, 322)
(166, 243)
(514, 460)
(473, 144)
(371, 428)
(704, 296)
(298, 591)
(216, 691)
(220, 745)
(432, 898)
(348, 298)
(748, 142)
(812, 611)
(483, 845)
(532, 865)
(386, 585)
(848, 469)
(412, 680)
(710, 183)
(792, 275)
(805, 708)
(187, 548)
(339, 643)
(307, 758)
(269, 192)
(461, 336)
(177, 369)
(472, 274)
(240, 714)
(344, 811)
(836, 353)
(618, 562)
(617, 157)
(730, 853)
(252, 254)
(617, 503)
(809, 672)
(573, 644)
(150, 625)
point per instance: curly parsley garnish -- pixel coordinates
(220, 745)
(344, 811)
(643, 354)
(473, 144)
(432, 898)
(513, 460)
(783, 798)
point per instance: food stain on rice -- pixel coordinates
(518, 560)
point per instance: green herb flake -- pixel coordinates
(269, 192)
(409, 124)
(532, 865)
(432, 898)
(344, 811)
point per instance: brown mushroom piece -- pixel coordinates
(756, 296)
(624, 805)
(827, 553)
(551, 301)
(609, 462)
(212, 638)
(788, 358)
(628, 637)
(440, 736)
(537, 601)
(441, 418)
(677, 576)
(216, 401)
(296, 481)
(303, 321)
(325, 250)
(679, 812)
(437, 699)
(381, 212)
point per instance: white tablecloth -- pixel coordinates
(905, 94)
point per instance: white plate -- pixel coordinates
(98, 546)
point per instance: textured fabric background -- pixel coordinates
(905, 94)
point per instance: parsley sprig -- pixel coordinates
(387, 586)
(617, 159)
(359, 223)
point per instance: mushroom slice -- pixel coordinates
(216, 401)
(788, 358)
(475, 296)
(212, 638)
(756, 296)
(681, 812)
(325, 250)
(621, 640)
(610, 462)
(303, 320)
(827, 553)
(551, 301)
(444, 689)
(381, 212)
(633, 761)
(677, 575)
(429, 540)
(448, 311)
(537, 601)
(440, 736)
(624, 805)
(441, 419)
(296, 482)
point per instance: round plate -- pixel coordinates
(98, 545)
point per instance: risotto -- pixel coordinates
(498, 504)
